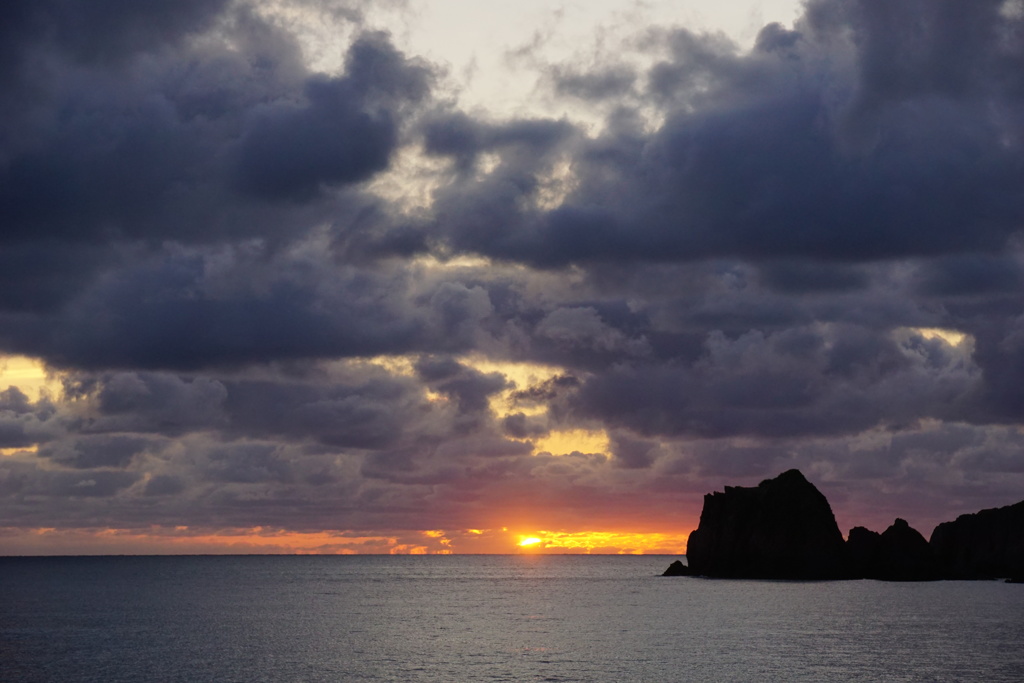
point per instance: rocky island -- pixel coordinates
(784, 528)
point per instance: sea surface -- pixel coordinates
(487, 618)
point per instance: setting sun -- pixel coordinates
(529, 541)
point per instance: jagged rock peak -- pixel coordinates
(903, 555)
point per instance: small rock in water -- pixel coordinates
(677, 568)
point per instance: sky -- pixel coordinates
(430, 276)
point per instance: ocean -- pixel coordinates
(486, 618)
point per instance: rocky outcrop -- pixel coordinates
(677, 568)
(862, 547)
(784, 529)
(986, 544)
(903, 555)
(900, 553)
(781, 529)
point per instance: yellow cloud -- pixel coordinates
(951, 337)
(29, 375)
(567, 441)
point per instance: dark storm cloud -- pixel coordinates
(633, 453)
(458, 136)
(13, 400)
(104, 30)
(133, 150)
(247, 463)
(799, 277)
(519, 426)
(468, 389)
(971, 275)
(23, 479)
(130, 127)
(164, 485)
(152, 403)
(97, 451)
(796, 382)
(818, 143)
(23, 422)
(371, 414)
(191, 310)
(344, 134)
(41, 276)
(145, 157)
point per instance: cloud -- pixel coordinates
(345, 133)
(88, 452)
(583, 327)
(337, 298)
(25, 423)
(816, 144)
(797, 382)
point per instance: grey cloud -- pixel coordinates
(808, 277)
(14, 400)
(151, 402)
(470, 390)
(733, 461)
(42, 277)
(246, 463)
(612, 82)
(169, 312)
(633, 453)
(582, 327)
(971, 275)
(21, 431)
(953, 50)
(89, 452)
(775, 154)
(345, 134)
(524, 141)
(546, 391)
(766, 385)
(76, 484)
(25, 423)
(374, 413)
(164, 485)
(519, 426)
(141, 139)
(105, 32)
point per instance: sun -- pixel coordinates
(528, 541)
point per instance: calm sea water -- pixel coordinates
(487, 618)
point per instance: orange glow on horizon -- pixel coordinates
(604, 542)
(184, 540)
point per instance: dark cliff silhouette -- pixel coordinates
(898, 554)
(902, 555)
(784, 529)
(781, 529)
(863, 547)
(986, 544)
